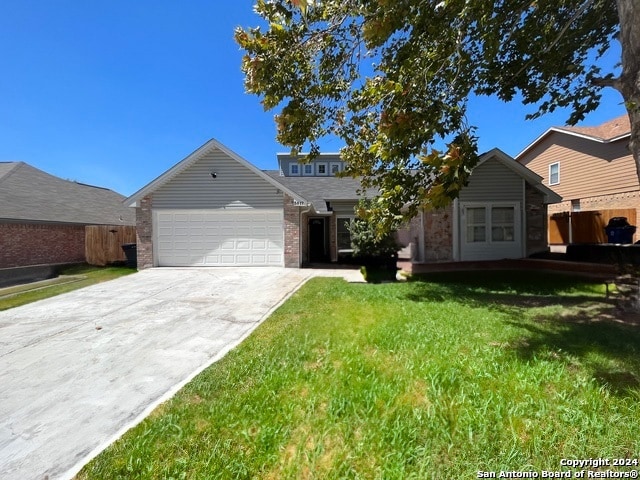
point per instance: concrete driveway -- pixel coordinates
(78, 370)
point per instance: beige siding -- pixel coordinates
(236, 186)
(587, 168)
(493, 182)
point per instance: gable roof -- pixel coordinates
(530, 176)
(193, 158)
(29, 194)
(319, 190)
(607, 132)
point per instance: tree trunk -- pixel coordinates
(629, 82)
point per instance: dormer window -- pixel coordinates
(334, 167)
(294, 169)
(321, 168)
(307, 169)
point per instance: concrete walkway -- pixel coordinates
(78, 370)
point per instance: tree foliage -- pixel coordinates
(391, 78)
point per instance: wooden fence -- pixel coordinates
(103, 243)
(586, 227)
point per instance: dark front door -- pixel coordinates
(318, 240)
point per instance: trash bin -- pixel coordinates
(131, 252)
(619, 231)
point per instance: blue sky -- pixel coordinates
(114, 93)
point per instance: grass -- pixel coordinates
(71, 278)
(436, 378)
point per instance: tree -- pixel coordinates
(391, 78)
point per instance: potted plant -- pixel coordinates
(376, 253)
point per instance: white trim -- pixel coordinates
(573, 134)
(550, 175)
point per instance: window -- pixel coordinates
(575, 205)
(476, 224)
(554, 173)
(502, 224)
(334, 167)
(343, 235)
(307, 169)
(294, 169)
(321, 168)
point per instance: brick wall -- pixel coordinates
(144, 233)
(438, 234)
(602, 202)
(34, 244)
(292, 234)
(536, 221)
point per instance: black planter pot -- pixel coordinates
(379, 269)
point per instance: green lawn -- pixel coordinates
(71, 278)
(437, 378)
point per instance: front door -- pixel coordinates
(318, 240)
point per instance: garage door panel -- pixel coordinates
(224, 238)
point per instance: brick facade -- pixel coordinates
(438, 234)
(144, 233)
(40, 244)
(601, 202)
(292, 234)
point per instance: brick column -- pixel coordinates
(291, 234)
(144, 233)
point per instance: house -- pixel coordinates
(591, 168)
(214, 208)
(43, 217)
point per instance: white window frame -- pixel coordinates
(485, 223)
(488, 222)
(326, 169)
(291, 167)
(343, 250)
(307, 169)
(338, 168)
(557, 174)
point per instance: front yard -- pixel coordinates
(435, 378)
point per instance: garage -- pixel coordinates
(234, 237)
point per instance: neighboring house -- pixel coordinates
(216, 209)
(591, 168)
(43, 217)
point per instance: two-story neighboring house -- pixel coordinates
(591, 168)
(215, 208)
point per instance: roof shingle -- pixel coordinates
(29, 194)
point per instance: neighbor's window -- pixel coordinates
(502, 224)
(343, 234)
(294, 169)
(554, 173)
(335, 168)
(476, 224)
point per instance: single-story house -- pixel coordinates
(43, 217)
(214, 208)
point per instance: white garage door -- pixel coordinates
(219, 238)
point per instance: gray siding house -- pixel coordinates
(214, 208)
